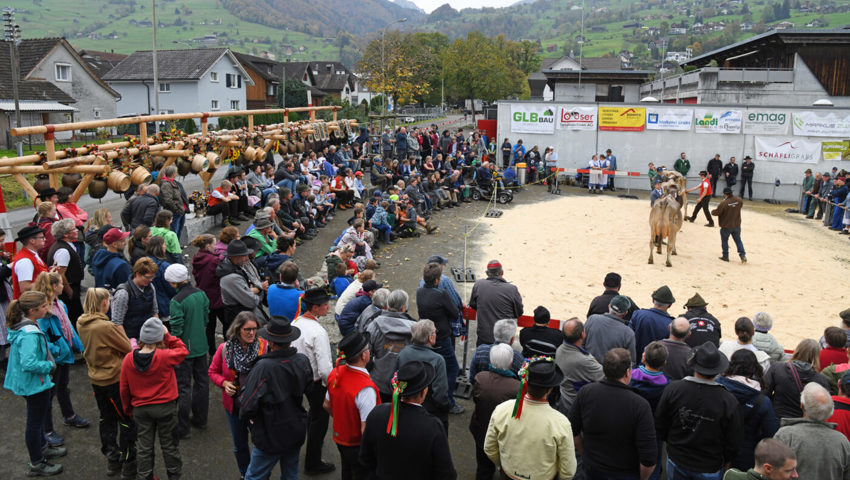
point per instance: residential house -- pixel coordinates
(301, 72)
(208, 79)
(333, 78)
(101, 62)
(568, 79)
(266, 74)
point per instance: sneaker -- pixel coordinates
(322, 467)
(43, 469)
(54, 440)
(54, 452)
(457, 409)
(77, 422)
(725, 259)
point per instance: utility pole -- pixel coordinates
(155, 66)
(12, 34)
(581, 48)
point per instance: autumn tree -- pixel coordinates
(402, 71)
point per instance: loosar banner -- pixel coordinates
(660, 118)
(576, 118)
(531, 118)
(767, 122)
(717, 120)
(822, 124)
(787, 149)
(622, 119)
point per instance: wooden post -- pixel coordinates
(250, 123)
(84, 183)
(143, 133)
(22, 181)
(50, 147)
(286, 118)
(168, 161)
(334, 114)
(205, 124)
(206, 177)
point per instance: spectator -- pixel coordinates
(730, 173)
(28, 375)
(45, 218)
(421, 349)
(822, 452)
(784, 382)
(534, 423)
(27, 264)
(241, 287)
(764, 341)
(682, 165)
(678, 351)
(67, 208)
(164, 291)
(389, 333)
(353, 288)
(64, 255)
(744, 331)
(651, 324)
(608, 331)
(704, 326)
(341, 280)
(835, 351)
(715, 171)
(355, 308)
(649, 379)
(204, 264)
(504, 331)
(138, 243)
(375, 309)
(773, 461)
(743, 378)
(106, 344)
(699, 419)
(747, 176)
(99, 223)
(284, 298)
(613, 425)
(577, 364)
(493, 298)
(173, 199)
(402, 437)
(141, 209)
(612, 284)
(109, 265)
(148, 394)
(162, 228)
(845, 325)
(492, 387)
(229, 370)
(539, 339)
(227, 235)
(134, 301)
(841, 415)
(190, 310)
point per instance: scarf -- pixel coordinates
(240, 359)
(64, 322)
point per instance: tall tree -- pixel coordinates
(398, 65)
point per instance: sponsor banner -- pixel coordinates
(787, 149)
(766, 122)
(717, 120)
(622, 119)
(659, 118)
(576, 118)
(835, 151)
(530, 118)
(822, 124)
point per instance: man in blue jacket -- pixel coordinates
(109, 265)
(651, 324)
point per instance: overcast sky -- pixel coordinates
(429, 5)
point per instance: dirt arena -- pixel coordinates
(558, 250)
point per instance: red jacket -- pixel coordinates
(219, 373)
(841, 415)
(38, 267)
(344, 383)
(151, 382)
(830, 355)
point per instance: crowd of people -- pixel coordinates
(825, 197)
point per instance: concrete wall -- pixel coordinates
(634, 150)
(90, 95)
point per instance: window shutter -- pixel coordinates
(227, 80)
(238, 81)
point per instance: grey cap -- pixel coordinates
(152, 331)
(620, 304)
(438, 259)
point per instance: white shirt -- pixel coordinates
(217, 194)
(24, 268)
(347, 295)
(314, 343)
(62, 257)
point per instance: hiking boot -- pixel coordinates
(113, 468)
(725, 259)
(709, 225)
(457, 409)
(743, 259)
(54, 452)
(54, 440)
(43, 469)
(690, 220)
(77, 422)
(128, 470)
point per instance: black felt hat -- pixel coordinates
(279, 330)
(544, 373)
(417, 376)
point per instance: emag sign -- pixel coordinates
(527, 118)
(764, 122)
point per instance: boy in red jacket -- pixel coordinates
(149, 394)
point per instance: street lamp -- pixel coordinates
(383, 68)
(12, 34)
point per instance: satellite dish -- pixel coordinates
(650, 100)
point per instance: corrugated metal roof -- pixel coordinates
(35, 106)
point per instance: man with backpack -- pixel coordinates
(389, 334)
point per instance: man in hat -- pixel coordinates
(728, 214)
(403, 440)
(811, 198)
(27, 265)
(808, 185)
(773, 461)
(705, 193)
(612, 284)
(530, 420)
(494, 299)
(314, 344)
(747, 169)
(108, 264)
(271, 399)
(423, 337)
(823, 193)
(379, 176)
(699, 419)
(141, 209)
(350, 399)
(446, 284)
(713, 170)
(603, 412)
(190, 311)
(439, 307)
(539, 339)
(241, 286)
(704, 326)
(839, 194)
(822, 452)
(262, 233)
(610, 330)
(650, 324)
(356, 306)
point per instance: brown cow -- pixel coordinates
(665, 220)
(681, 183)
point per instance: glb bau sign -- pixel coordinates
(532, 119)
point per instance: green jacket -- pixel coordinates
(190, 312)
(172, 244)
(735, 474)
(682, 166)
(267, 246)
(808, 183)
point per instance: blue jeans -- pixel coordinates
(266, 193)
(177, 223)
(262, 464)
(675, 472)
(239, 430)
(37, 407)
(288, 184)
(444, 347)
(736, 236)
